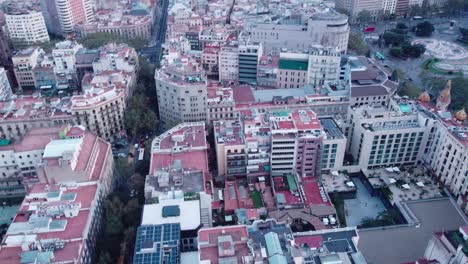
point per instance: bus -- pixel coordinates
(379, 56)
(368, 29)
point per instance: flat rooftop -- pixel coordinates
(189, 213)
(389, 245)
(331, 128)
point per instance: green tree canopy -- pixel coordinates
(139, 116)
(424, 29)
(364, 16)
(357, 45)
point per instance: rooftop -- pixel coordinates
(165, 212)
(410, 242)
(55, 218)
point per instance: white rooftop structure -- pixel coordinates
(56, 148)
(187, 213)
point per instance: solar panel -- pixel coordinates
(157, 244)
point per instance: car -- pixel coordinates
(122, 155)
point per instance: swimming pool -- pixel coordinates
(405, 108)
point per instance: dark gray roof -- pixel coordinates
(371, 90)
(405, 244)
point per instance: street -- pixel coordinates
(153, 52)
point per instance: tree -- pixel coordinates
(409, 89)
(105, 258)
(364, 16)
(394, 39)
(113, 212)
(413, 51)
(132, 212)
(139, 116)
(401, 25)
(424, 29)
(357, 45)
(396, 51)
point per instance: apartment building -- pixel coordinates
(26, 27)
(182, 93)
(296, 143)
(23, 63)
(179, 178)
(101, 106)
(64, 56)
(292, 70)
(119, 22)
(389, 136)
(63, 213)
(27, 112)
(21, 157)
(324, 65)
(219, 104)
(230, 148)
(228, 64)
(117, 57)
(5, 87)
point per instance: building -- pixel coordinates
(354, 7)
(62, 215)
(249, 55)
(117, 22)
(324, 66)
(62, 223)
(296, 143)
(5, 87)
(64, 56)
(101, 106)
(176, 210)
(324, 27)
(23, 63)
(157, 244)
(116, 57)
(228, 64)
(225, 243)
(219, 104)
(180, 149)
(182, 93)
(334, 145)
(448, 246)
(392, 136)
(292, 70)
(51, 17)
(68, 13)
(370, 83)
(21, 157)
(26, 27)
(26, 112)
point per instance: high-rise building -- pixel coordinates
(68, 13)
(49, 10)
(26, 27)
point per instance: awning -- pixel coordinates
(391, 180)
(406, 186)
(350, 184)
(335, 173)
(420, 184)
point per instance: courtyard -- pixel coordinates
(363, 206)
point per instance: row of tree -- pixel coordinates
(400, 41)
